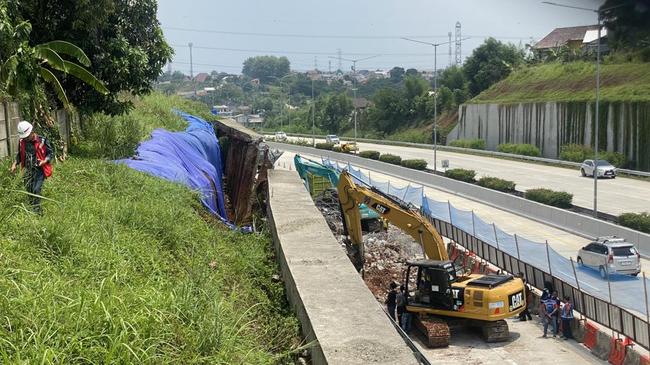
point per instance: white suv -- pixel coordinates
(332, 138)
(280, 136)
(611, 255)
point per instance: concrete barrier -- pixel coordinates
(335, 307)
(566, 220)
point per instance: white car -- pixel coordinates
(280, 136)
(605, 169)
(611, 255)
(332, 138)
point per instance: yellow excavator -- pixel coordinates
(438, 293)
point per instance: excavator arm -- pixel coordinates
(392, 210)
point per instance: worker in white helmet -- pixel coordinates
(34, 157)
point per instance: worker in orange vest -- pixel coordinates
(34, 157)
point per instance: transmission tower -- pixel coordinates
(315, 63)
(450, 59)
(459, 57)
(340, 66)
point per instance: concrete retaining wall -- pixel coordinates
(569, 221)
(332, 302)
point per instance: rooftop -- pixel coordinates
(561, 36)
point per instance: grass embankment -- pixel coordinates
(127, 268)
(569, 82)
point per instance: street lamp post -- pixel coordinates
(435, 96)
(313, 115)
(596, 132)
(354, 89)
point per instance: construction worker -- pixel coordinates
(34, 157)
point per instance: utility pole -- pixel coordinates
(192, 68)
(450, 61)
(340, 66)
(313, 115)
(435, 97)
(596, 132)
(354, 80)
(459, 56)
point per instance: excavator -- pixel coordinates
(438, 293)
(370, 220)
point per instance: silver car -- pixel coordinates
(605, 169)
(332, 138)
(611, 255)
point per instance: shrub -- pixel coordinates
(617, 159)
(337, 149)
(496, 184)
(575, 152)
(110, 137)
(558, 199)
(638, 221)
(524, 149)
(475, 144)
(387, 157)
(325, 146)
(462, 175)
(417, 164)
(373, 155)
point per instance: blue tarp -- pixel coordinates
(191, 157)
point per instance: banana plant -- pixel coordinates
(47, 58)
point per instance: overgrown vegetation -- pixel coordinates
(467, 176)
(558, 199)
(125, 268)
(566, 82)
(475, 144)
(637, 221)
(325, 146)
(579, 153)
(524, 149)
(495, 183)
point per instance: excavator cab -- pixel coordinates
(433, 284)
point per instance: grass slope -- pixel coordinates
(127, 268)
(571, 82)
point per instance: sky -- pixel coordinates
(310, 32)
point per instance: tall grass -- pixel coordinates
(127, 268)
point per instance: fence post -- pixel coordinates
(548, 259)
(573, 266)
(517, 245)
(449, 206)
(496, 238)
(647, 312)
(609, 284)
(473, 225)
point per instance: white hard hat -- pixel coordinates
(24, 129)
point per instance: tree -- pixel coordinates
(265, 68)
(336, 111)
(396, 74)
(627, 23)
(489, 63)
(389, 111)
(412, 72)
(122, 39)
(415, 86)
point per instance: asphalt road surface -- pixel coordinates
(615, 196)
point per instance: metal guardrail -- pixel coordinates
(476, 152)
(601, 311)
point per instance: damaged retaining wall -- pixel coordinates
(335, 307)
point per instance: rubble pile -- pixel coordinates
(328, 204)
(386, 254)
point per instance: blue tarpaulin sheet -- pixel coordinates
(191, 157)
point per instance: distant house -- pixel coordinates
(222, 110)
(582, 37)
(200, 78)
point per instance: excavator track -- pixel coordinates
(435, 330)
(496, 331)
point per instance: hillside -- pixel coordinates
(127, 268)
(571, 82)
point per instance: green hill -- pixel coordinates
(571, 82)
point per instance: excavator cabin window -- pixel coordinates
(433, 285)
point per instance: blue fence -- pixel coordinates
(619, 302)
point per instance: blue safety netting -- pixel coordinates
(191, 157)
(626, 291)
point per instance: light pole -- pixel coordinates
(435, 95)
(354, 90)
(192, 68)
(596, 134)
(313, 115)
(280, 80)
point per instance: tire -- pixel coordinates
(603, 272)
(582, 172)
(579, 260)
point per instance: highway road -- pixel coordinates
(467, 347)
(615, 196)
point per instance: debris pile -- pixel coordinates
(328, 204)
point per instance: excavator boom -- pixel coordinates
(392, 210)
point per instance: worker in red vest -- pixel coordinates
(34, 157)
